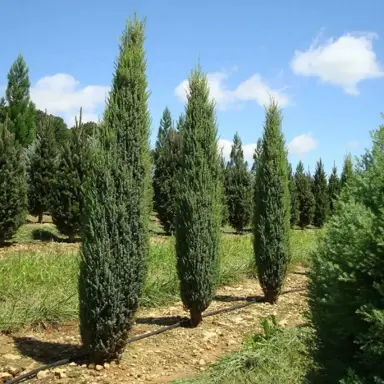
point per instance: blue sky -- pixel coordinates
(323, 61)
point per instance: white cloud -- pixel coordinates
(299, 145)
(343, 62)
(226, 146)
(302, 144)
(353, 144)
(252, 89)
(62, 94)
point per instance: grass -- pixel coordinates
(39, 284)
(278, 355)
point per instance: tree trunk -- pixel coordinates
(40, 219)
(271, 297)
(196, 318)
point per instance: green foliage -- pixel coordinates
(278, 355)
(271, 225)
(295, 213)
(320, 192)
(238, 187)
(224, 202)
(13, 187)
(42, 159)
(347, 172)
(346, 291)
(117, 202)
(256, 156)
(305, 196)
(20, 109)
(334, 187)
(166, 158)
(68, 187)
(198, 212)
(60, 129)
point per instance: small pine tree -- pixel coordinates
(305, 196)
(238, 187)
(68, 186)
(13, 191)
(347, 173)
(346, 279)
(256, 156)
(115, 237)
(166, 161)
(272, 208)
(333, 189)
(295, 213)
(198, 214)
(20, 109)
(320, 192)
(42, 159)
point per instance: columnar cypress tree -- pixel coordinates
(21, 110)
(42, 161)
(116, 212)
(320, 191)
(198, 213)
(238, 187)
(295, 213)
(166, 162)
(347, 172)
(271, 226)
(224, 202)
(256, 156)
(13, 185)
(333, 189)
(68, 187)
(305, 196)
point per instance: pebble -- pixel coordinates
(10, 356)
(201, 362)
(99, 367)
(107, 365)
(72, 364)
(5, 376)
(42, 375)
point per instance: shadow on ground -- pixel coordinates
(45, 235)
(46, 352)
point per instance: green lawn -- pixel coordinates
(38, 283)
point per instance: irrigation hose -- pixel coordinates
(183, 321)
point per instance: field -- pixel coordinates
(39, 306)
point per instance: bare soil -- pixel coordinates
(172, 355)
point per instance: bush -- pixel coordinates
(347, 281)
(13, 186)
(271, 226)
(198, 211)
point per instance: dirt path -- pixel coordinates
(162, 358)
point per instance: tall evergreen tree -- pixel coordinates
(320, 192)
(68, 187)
(305, 196)
(13, 190)
(42, 158)
(256, 156)
(333, 189)
(115, 243)
(295, 213)
(238, 187)
(347, 172)
(198, 213)
(167, 164)
(59, 127)
(271, 226)
(20, 109)
(224, 202)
